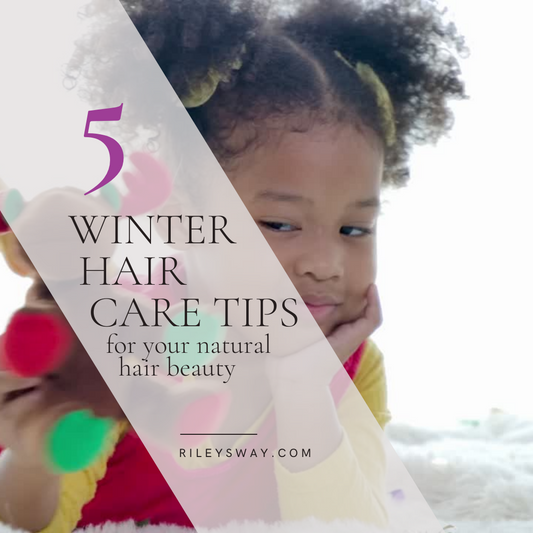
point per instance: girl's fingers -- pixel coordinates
(373, 310)
(9, 382)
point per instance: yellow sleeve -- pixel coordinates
(350, 483)
(79, 488)
(371, 383)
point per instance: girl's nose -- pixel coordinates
(321, 259)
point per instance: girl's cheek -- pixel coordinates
(283, 250)
(362, 261)
(361, 272)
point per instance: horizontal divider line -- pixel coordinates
(218, 434)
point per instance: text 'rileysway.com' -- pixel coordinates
(241, 452)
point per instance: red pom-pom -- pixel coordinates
(35, 343)
(3, 362)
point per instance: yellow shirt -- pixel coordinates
(355, 472)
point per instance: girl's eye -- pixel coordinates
(278, 226)
(353, 231)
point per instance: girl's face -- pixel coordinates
(315, 196)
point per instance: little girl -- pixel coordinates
(310, 113)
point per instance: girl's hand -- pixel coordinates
(348, 337)
(23, 421)
(29, 489)
(310, 368)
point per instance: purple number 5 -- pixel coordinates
(116, 154)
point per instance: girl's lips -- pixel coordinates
(322, 311)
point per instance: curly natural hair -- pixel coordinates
(290, 69)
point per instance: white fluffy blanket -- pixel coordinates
(478, 479)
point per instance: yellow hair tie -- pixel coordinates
(204, 90)
(368, 76)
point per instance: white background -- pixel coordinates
(456, 261)
(456, 268)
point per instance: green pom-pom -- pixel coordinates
(12, 206)
(76, 441)
(111, 195)
(210, 330)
